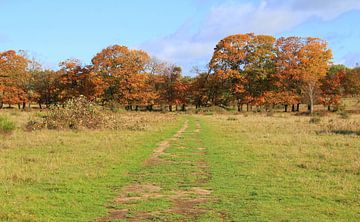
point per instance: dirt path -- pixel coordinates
(171, 185)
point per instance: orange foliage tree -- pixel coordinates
(315, 59)
(13, 78)
(123, 71)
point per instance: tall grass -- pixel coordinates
(6, 125)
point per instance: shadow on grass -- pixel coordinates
(341, 132)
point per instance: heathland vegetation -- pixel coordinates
(268, 132)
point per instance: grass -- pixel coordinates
(6, 125)
(251, 167)
(280, 169)
(70, 175)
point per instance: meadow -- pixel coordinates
(184, 167)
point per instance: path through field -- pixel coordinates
(171, 186)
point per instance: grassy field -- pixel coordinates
(52, 175)
(225, 167)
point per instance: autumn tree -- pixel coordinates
(315, 58)
(286, 81)
(240, 66)
(199, 88)
(168, 92)
(14, 77)
(44, 86)
(123, 71)
(352, 82)
(332, 86)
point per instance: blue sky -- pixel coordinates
(182, 32)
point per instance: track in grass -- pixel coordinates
(172, 184)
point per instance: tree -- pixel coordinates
(123, 71)
(14, 77)
(286, 81)
(352, 82)
(241, 65)
(43, 86)
(169, 90)
(331, 86)
(315, 59)
(199, 88)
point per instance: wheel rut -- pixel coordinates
(172, 184)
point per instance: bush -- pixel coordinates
(6, 125)
(79, 113)
(76, 113)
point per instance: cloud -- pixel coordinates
(187, 47)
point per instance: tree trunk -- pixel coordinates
(1, 105)
(329, 108)
(19, 106)
(311, 107)
(298, 107)
(23, 105)
(40, 106)
(150, 108)
(286, 108)
(239, 105)
(136, 108)
(293, 108)
(183, 108)
(247, 107)
(170, 108)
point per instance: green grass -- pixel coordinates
(255, 167)
(6, 125)
(70, 175)
(281, 169)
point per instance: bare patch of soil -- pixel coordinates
(154, 159)
(187, 202)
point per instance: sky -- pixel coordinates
(182, 32)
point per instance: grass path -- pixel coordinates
(69, 176)
(171, 186)
(217, 168)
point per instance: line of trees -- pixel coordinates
(245, 70)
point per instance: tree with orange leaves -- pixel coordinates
(242, 63)
(287, 79)
(332, 86)
(123, 71)
(315, 59)
(13, 78)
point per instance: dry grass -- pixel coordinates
(284, 168)
(68, 175)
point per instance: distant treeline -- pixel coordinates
(246, 69)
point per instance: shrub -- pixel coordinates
(79, 113)
(6, 125)
(76, 113)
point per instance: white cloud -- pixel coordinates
(266, 17)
